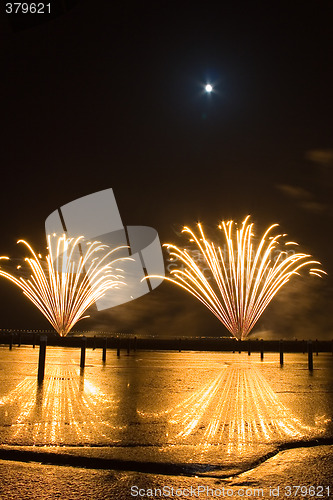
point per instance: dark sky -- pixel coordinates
(109, 95)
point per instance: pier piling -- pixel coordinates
(310, 355)
(104, 349)
(41, 359)
(281, 352)
(83, 352)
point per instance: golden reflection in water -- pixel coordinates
(237, 409)
(65, 409)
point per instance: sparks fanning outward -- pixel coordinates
(238, 283)
(70, 281)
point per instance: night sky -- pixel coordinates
(110, 94)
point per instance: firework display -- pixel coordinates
(238, 282)
(69, 280)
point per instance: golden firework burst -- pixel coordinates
(237, 283)
(68, 281)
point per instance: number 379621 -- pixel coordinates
(25, 8)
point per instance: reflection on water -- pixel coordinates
(39, 414)
(237, 409)
(187, 406)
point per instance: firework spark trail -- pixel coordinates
(72, 281)
(243, 280)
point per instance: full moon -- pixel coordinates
(208, 88)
